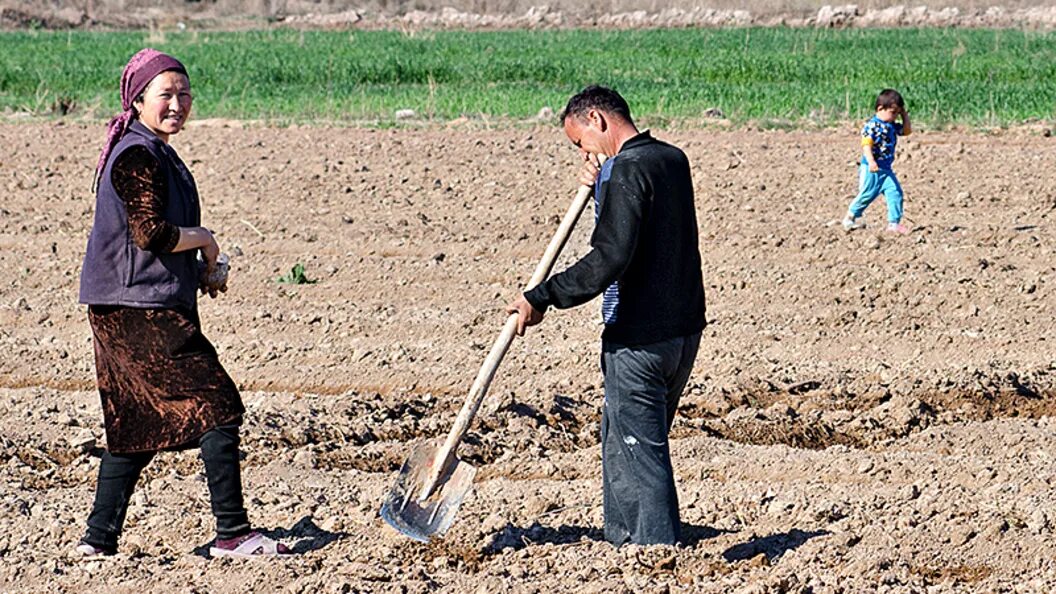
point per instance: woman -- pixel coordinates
(161, 384)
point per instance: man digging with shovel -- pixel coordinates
(646, 261)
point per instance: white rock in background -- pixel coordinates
(885, 17)
(835, 16)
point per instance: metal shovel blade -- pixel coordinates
(422, 520)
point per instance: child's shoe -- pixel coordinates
(897, 228)
(851, 222)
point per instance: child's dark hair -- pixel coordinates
(596, 97)
(889, 98)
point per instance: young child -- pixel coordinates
(875, 176)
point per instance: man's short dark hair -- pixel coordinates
(889, 98)
(599, 98)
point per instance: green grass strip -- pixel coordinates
(969, 76)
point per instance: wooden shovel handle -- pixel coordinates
(502, 343)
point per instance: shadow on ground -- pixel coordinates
(517, 537)
(305, 536)
(692, 534)
(772, 546)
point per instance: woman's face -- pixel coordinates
(165, 104)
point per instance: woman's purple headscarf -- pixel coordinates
(140, 70)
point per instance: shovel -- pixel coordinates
(433, 481)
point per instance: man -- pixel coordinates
(645, 259)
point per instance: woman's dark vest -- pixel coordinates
(116, 271)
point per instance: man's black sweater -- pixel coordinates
(645, 240)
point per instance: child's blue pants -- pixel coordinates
(871, 185)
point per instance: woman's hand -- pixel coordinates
(212, 290)
(208, 283)
(200, 238)
(210, 251)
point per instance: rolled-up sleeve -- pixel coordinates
(140, 183)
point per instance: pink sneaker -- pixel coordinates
(250, 545)
(897, 228)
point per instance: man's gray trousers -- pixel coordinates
(643, 384)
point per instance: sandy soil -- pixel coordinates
(868, 413)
